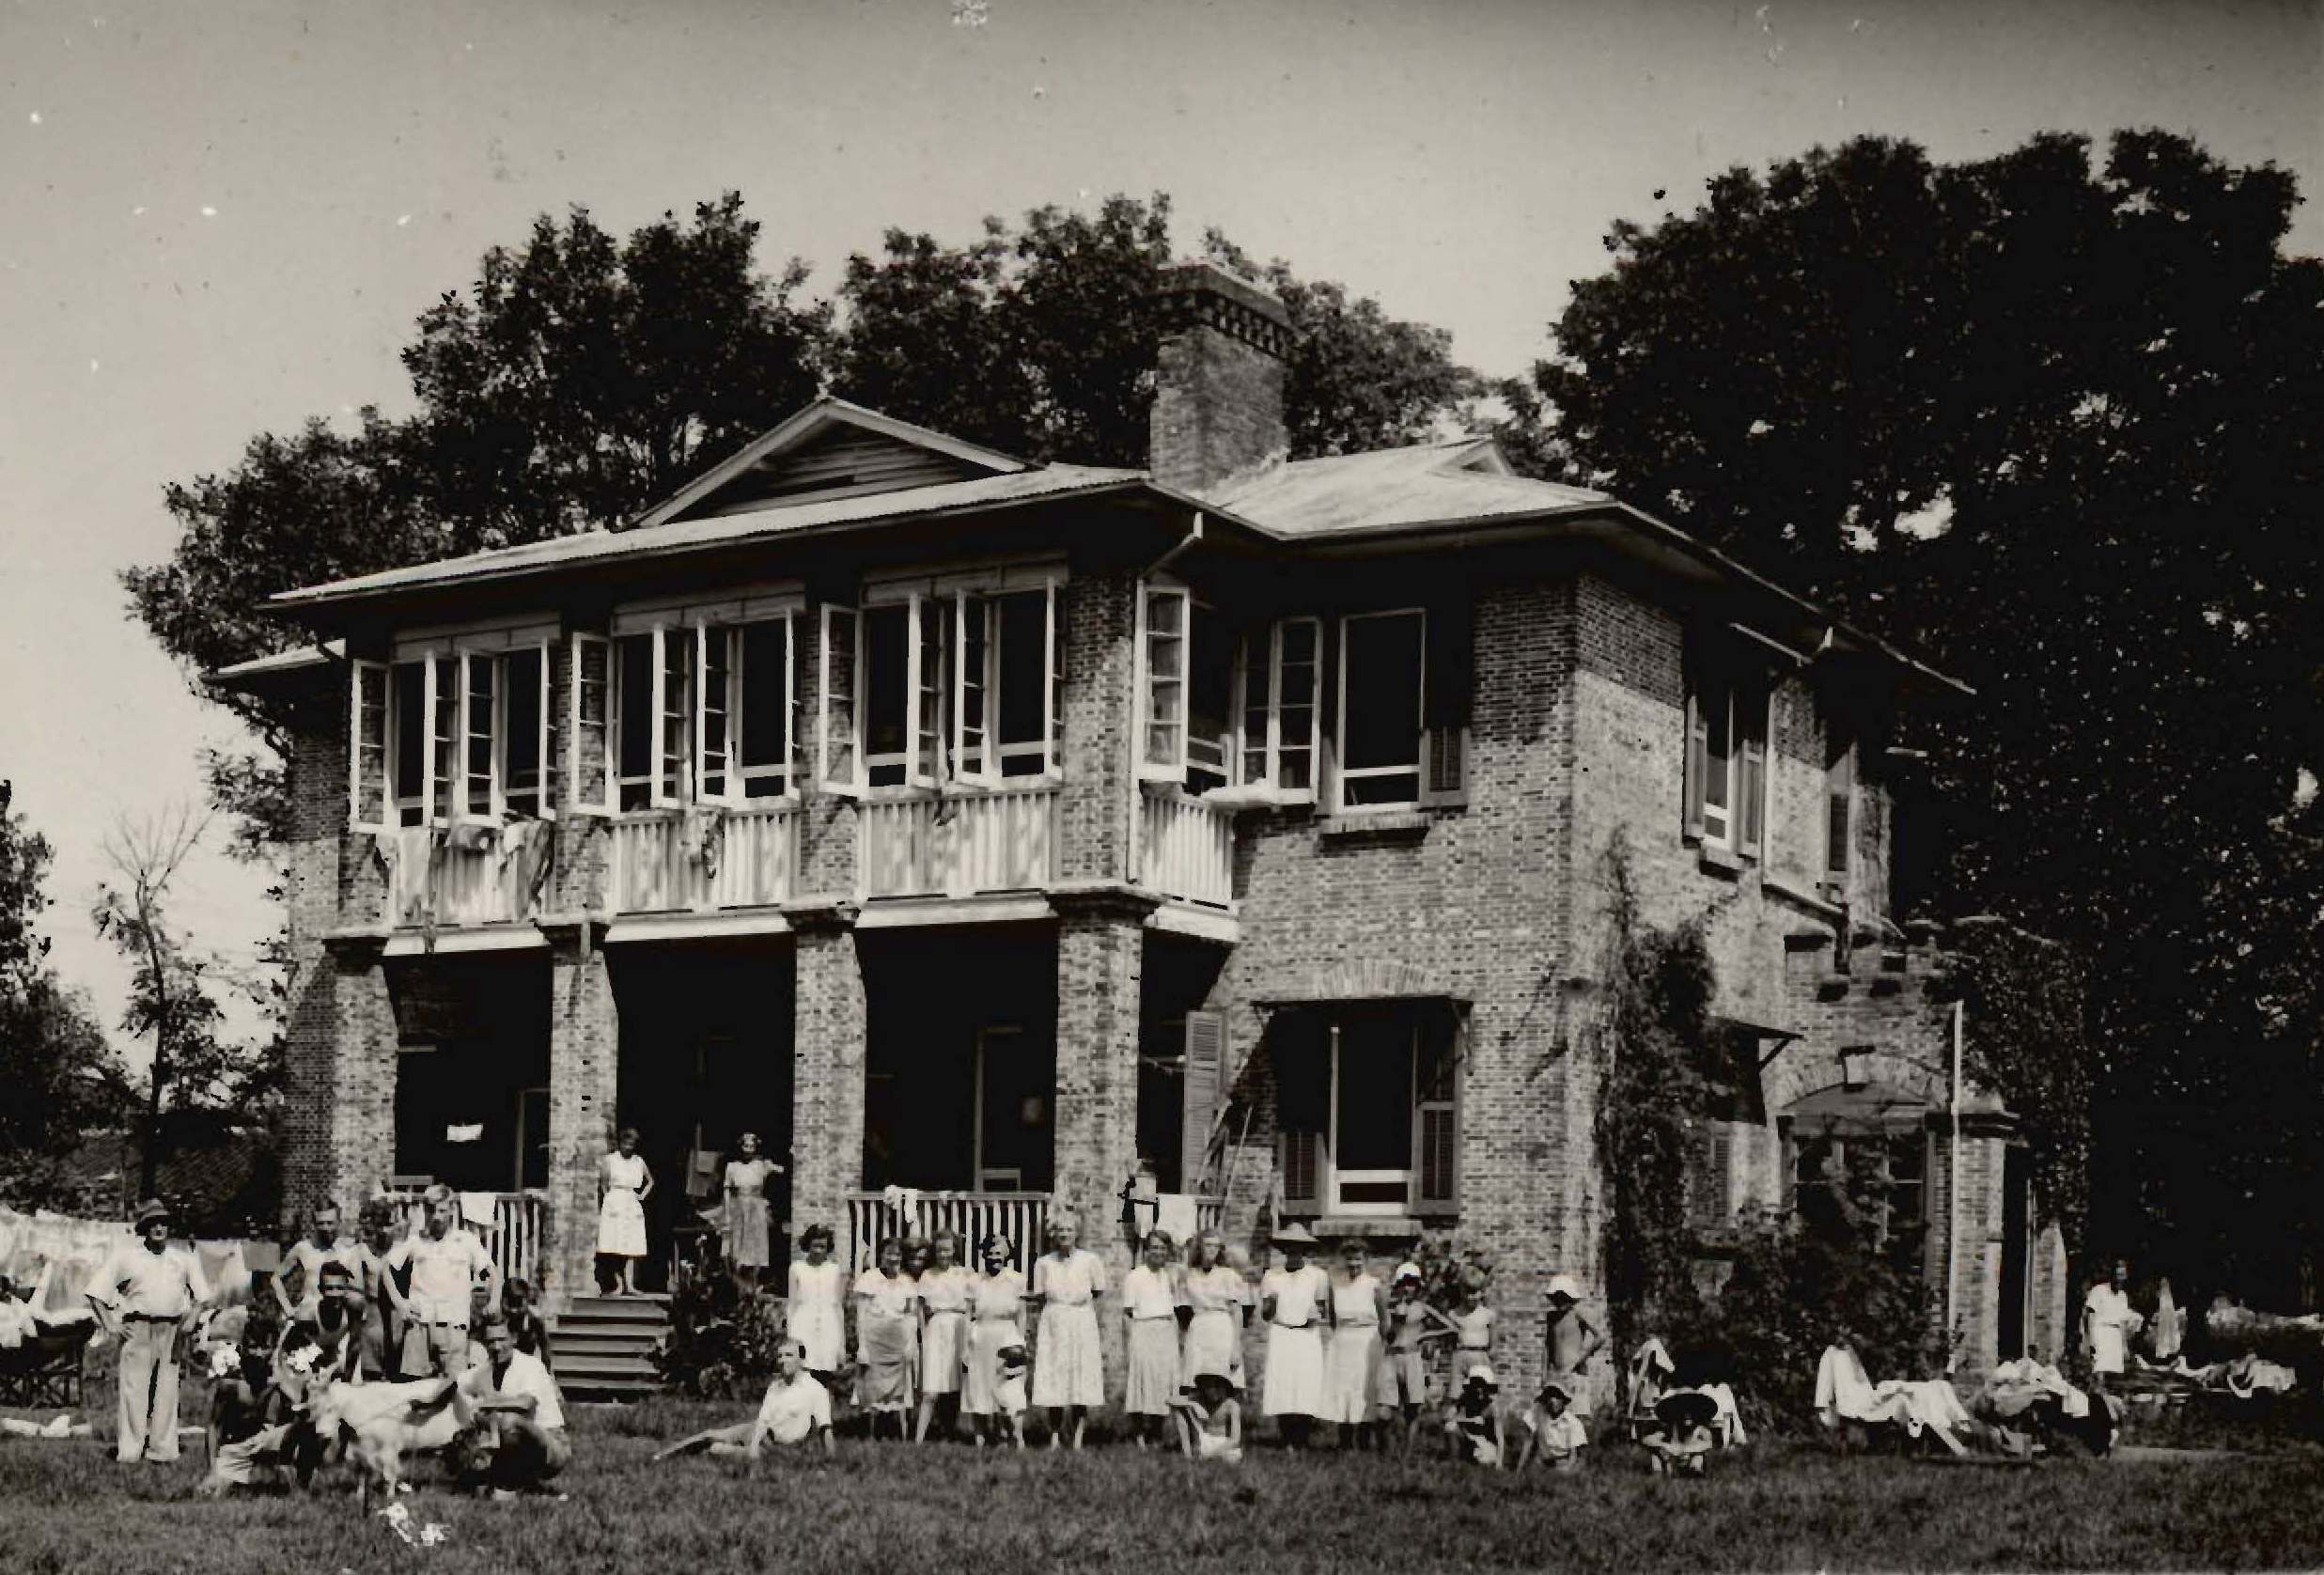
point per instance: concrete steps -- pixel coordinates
(604, 1346)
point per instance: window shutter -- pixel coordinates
(1697, 748)
(1166, 631)
(1750, 814)
(546, 742)
(1302, 1158)
(589, 719)
(1839, 804)
(1205, 1076)
(1299, 1051)
(924, 726)
(838, 663)
(1436, 1117)
(1445, 762)
(1447, 679)
(366, 752)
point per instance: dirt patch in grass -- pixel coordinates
(68, 1508)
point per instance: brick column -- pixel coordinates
(1098, 613)
(585, 1073)
(827, 1076)
(1100, 966)
(347, 1068)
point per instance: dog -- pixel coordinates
(384, 1422)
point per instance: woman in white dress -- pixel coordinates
(1068, 1369)
(887, 1327)
(997, 1323)
(1219, 1298)
(624, 1185)
(1150, 1300)
(1295, 1300)
(746, 1209)
(816, 1314)
(1352, 1356)
(945, 1286)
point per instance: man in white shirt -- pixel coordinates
(448, 1268)
(145, 1296)
(797, 1410)
(521, 1420)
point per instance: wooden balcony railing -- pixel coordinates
(672, 861)
(971, 841)
(1019, 1218)
(513, 1237)
(1185, 847)
(451, 878)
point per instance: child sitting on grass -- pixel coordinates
(1554, 1434)
(1211, 1421)
(1678, 1441)
(1473, 1429)
(1009, 1396)
(797, 1410)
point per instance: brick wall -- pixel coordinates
(583, 1083)
(1096, 611)
(827, 1078)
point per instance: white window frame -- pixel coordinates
(729, 691)
(1269, 748)
(1172, 769)
(604, 801)
(1417, 771)
(502, 737)
(1734, 690)
(851, 783)
(978, 755)
(362, 740)
(740, 776)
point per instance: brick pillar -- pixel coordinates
(352, 1072)
(827, 1078)
(1100, 965)
(1098, 611)
(585, 1077)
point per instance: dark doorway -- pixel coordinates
(2017, 1246)
(471, 1050)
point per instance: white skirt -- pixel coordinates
(1347, 1376)
(818, 1326)
(943, 1347)
(1294, 1372)
(1153, 1381)
(622, 1224)
(1213, 1345)
(1068, 1369)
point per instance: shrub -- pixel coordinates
(722, 1343)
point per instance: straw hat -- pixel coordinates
(152, 1209)
(1405, 1272)
(1482, 1374)
(1562, 1284)
(1294, 1235)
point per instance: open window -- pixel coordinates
(1187, 686)
(840, 660)
(1382, 672)
(1840, 750)
(1279, 686)
(367, 756)
(451, 735)
(1367, 1110)
(591, 722)
(765, 673)
(1727, 709)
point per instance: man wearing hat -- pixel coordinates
(1572, 1340)
(145, 1296)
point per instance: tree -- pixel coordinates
(2058, 424)
(60, 1075)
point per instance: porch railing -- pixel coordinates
(672, 861)
(1019, 1218)
(960, 845)
(458, 877)
(513, 1237)
(1185, 847)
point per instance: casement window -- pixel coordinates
(940, 680)
(1004, 697)
(450, 735)
(1872, 1184)
(1382, 681)
(589, 721)
(764, 675)
(1188, 694)
(1727, 707)
(702, 713)
(840, 660)
(1368, 1111)
(1280, 687)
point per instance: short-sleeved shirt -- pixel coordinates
(1561, 1432)
(1477, 1328)
(1073, 1281)
(892, 1298)
(135, 1281)
(525, 1375)
(1300, 1293)
(998, 1296)
(442, 1270)
(1219, 1288)
(792, 1411)
(1148, 1293)
(945, 1290)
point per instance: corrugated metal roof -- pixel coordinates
(723, 530)
(1424, 484)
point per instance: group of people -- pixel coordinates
(430, 1308)
(932, 1336)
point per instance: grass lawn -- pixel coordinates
(876, 1507)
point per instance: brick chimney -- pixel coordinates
(1218, 396)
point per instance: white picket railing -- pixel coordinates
(514, 1236)
(458, 877)
(1018, 1218)
(669, 860)
(1185, 847)
(967, 842)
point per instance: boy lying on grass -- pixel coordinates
(797, 1410)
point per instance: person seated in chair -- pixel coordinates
(519, 1440)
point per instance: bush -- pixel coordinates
(722, 1343)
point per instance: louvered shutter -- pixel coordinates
(1751, 721)
(1698, 744)
(367, 752)
(1303, 1066)
(1445, 767)
(1205, 1074)
(1436, 1117)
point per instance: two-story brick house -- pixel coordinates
(983, 828)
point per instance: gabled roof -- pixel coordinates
(1432, 483)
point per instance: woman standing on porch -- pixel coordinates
(814, 1313)
(626, 1185)
(997, 1314)
(746, 1209)
(1068, 1369)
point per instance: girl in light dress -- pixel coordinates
(1150, 1301)
(746, 1209)
(1068, 1369)
(886, 1336)
(945, 1286)
(1295, 1300)
(1352, 1355)
(624, 1184)
(1211, 1420)
(996, 1305)
(1218, 1299)
(817, 1315)
(1411, 1324)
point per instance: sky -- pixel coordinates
(220, 217)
